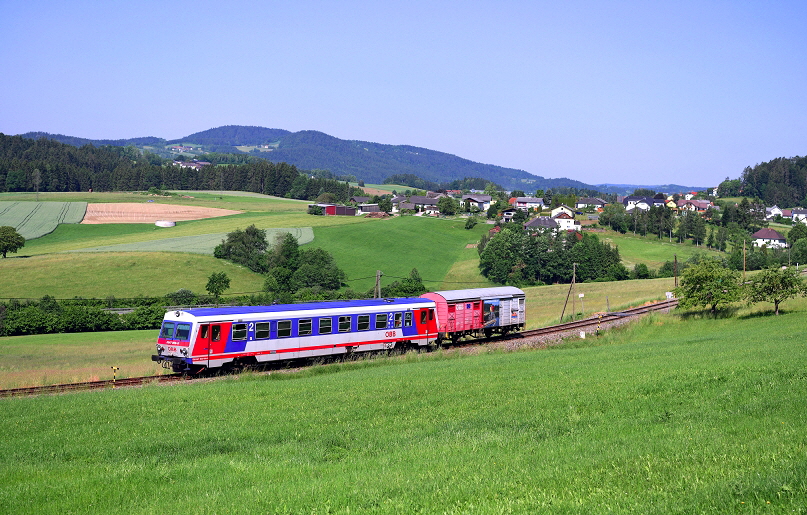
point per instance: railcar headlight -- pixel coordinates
(184, 352)
(159, 349)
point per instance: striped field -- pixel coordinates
(198, 244)
(35, 219)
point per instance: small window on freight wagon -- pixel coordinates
(398, 317)
(304, 327)
(363, 322)
(284, 329)
(167, 331)
(344, 324)
(215, 332)
(325, 325)
(262, 330)
(408, 319)
(423, 316)
(239, 332)
(380, 320)
(183, 332)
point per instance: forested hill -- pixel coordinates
(374, 162)
(370, 162)
(781, 181)
(78, 142)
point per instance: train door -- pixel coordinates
(451, 323)
(209, 335)
(202, 348)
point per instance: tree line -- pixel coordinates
(49, 166)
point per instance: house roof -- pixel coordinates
(767, 234)
(423, 201)
(542, 222)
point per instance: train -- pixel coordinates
(193, 340)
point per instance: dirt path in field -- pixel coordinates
(124, 213)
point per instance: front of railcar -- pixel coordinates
(174, 344)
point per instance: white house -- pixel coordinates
(482, 202)
(562, 209)
(770, 238)
(527, 203)
(799, 214)
(566, 222)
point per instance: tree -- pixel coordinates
(217, 283)
(775, 285)
(708, 283)
(447, 205)
(385, 205)
(10, 240)
(247, 247)
(796, 233)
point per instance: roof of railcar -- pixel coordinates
(393, 303)
(500, 292)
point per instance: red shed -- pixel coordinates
(479, 310)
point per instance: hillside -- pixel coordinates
(368, 161)
(309, 150)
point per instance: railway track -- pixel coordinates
(601, 319)
(90, 385)
(549, 330)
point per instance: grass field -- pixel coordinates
(650, 250)
(77, 357)
(668, 416)
(120, 274)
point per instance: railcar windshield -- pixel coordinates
(167, 330)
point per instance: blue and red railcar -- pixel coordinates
(195, 339)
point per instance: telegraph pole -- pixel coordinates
(571, 287)
(378, 275)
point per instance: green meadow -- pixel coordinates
(672, 415)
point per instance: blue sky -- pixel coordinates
(622, 92)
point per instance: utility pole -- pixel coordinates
(378, 275)
(675, 269)
(743, 261)
(571, 287)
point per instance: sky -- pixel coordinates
(644, 92)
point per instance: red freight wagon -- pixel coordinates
(477, 312)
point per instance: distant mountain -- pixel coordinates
(370, 162)
(234, 136)
(627, 189)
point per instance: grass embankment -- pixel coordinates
(665, 417)
(75, 357)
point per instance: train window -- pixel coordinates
(423, 316)
(325, 325)
(239, 332)
(431, 314)
(304, 327)
(167, 331)
(408, 319)
(262, 330)
(344, 324)
(380, 320)
(284, 328)
(183, 332)
(363, 322)
(215, 332)
(203, 330)
(398, 317)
